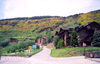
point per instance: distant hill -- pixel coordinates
(27, 18)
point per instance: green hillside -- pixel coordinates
(34, 27)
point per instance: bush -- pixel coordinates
(96, 39)
(20, 46)
(73, 39)
(24, 45)
(56, 39)
(10, 48)
(29, 43)
(60, 44)
(48, 40)
(4, 43)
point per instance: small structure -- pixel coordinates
(35, 47)
(64, 34)
(41, 41)
(85, 33)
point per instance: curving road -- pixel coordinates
(44, 58)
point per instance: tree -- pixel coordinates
(96, 38)
(49, 39)
(73, 39)
(55, 39)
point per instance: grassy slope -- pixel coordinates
(68, 52)
(43, 24)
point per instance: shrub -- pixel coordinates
(73, 39)
(96, 39)
(20, 46)
(24, 45)
(29, 43)
(48, 40)
(60, 44)
(4, 42)
(55, 39)
(10, 48)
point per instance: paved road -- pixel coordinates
(44, 58)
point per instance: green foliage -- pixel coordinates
(96, 39)
(60, 44)
(10, 48)
(20, 46)
(73, 39)
(48, 40)
(49, 35)
(55, 39)
(4, 42)
(72, 24)
(5, 37)
(69, 52)
(23, 53)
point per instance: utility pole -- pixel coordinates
(0, 52)
(65, 37)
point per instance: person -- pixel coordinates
(91, 55)
(84, 45)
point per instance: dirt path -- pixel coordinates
(44, 58)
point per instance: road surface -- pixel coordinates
(44, 58)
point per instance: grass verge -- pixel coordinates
(26, 54)
(69, 52)
(49, 47)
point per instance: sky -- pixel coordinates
(1, 9)
(29, 8)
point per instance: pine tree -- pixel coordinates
(48, 40)
(73, 39)
(56, 39)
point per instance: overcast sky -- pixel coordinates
(29, 8)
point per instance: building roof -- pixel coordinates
(65, 28)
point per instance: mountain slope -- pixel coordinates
(42, 25)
